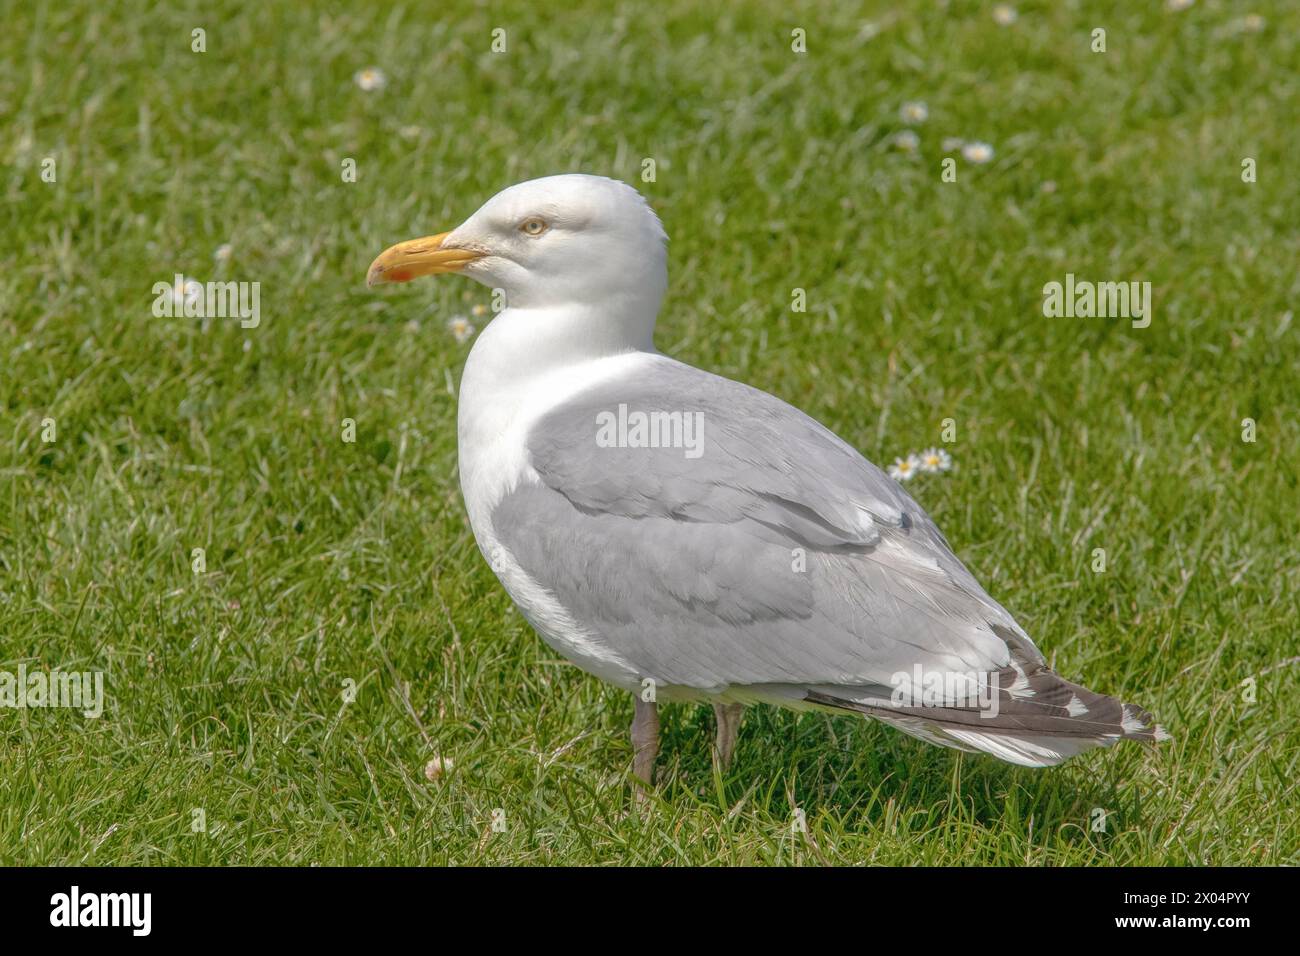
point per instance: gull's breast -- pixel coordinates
(494, 418)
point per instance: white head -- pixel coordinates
(574, 242)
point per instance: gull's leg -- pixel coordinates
(645, 739)
(728, 716)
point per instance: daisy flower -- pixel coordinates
(461, 328)
(1252, 23)
(224, 252)
(914, 112)
(1004, 14)
(371, 79)
(904, 468)
(436, 767)
(1176, 5)
(977, 152)
(907, 141)
(953, 143)
(479, 310)
(935, 459)
(187, 290)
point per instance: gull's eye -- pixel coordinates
(532, 226)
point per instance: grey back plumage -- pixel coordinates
(778, 556)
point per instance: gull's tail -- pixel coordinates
(1028, 716)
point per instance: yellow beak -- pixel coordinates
(418, 257)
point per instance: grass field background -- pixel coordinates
(329, 562)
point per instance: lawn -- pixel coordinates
(281, 704)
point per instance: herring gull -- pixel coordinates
(687, 537)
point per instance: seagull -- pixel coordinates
(687, 537)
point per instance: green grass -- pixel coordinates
(329, 562)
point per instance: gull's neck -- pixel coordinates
(527, 342)
(527, 361)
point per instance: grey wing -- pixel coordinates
(770, 552)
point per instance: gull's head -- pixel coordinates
(561, 240)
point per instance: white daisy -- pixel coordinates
(461, 328)
(1178, 4)
(914, 112)
(224, 252)
(907, 141)
(436, 767)
(904, 468)
(187, 290)
(1004, 14)
(953, 143)
(479, 310)
(977, 152)
(935, 459)
(1252, 23)
(410, 132)
(371, 79)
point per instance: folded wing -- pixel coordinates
(768, 551)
